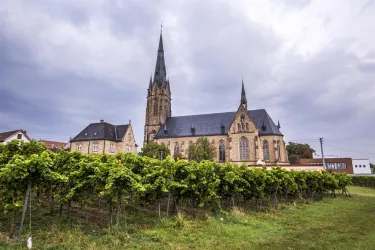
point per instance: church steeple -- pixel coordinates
(243, 96)
(150, 84)
(160, 75)
(158, 107)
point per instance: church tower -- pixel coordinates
(158, 106)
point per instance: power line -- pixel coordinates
(349, 150)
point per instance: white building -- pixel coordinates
(19, 134)
(361, 166)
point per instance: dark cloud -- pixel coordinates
(66, 64)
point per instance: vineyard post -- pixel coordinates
(24, 208)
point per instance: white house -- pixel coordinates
(361, 166)
(19, 134)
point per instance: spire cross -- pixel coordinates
(161, 26)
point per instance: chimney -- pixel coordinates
(101, 121)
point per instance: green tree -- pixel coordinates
(298, 151)
(152, 150)
(202, 150)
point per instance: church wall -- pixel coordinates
(185, 141)
(272, 146)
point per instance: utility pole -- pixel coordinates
(321, 148)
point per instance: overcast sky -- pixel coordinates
(310, 64)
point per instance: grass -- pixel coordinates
(341, 223)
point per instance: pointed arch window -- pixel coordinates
(266, 152)
(239, 127)
(221, 150)
(176, 149)
(156, 107)
(247, 126)
(278, 150)
(244, 148)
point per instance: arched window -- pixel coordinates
(221, 150)
(244, 149)
(156, 107)
(239, 127)
(266, 152)
(247, 126)
(278, 148)
(176, 149)
(152, 135)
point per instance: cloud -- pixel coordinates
(66, 64)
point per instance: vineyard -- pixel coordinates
(364, 181)
(102, 186)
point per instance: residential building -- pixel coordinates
(249, 136)
(19, 134)
(361, 166)
(103, 137)
(53, 145)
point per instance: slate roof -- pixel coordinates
(5, 135)
(102, 131)
(211, 124)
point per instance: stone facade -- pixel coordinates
(158, 108)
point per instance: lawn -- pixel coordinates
(341, 223)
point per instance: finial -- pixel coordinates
(130, 121)
(278, 124)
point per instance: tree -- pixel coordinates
(297, 151)
(202, 150)
(152, 150)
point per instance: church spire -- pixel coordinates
(243, 96)
(160, 69)
(150, 85)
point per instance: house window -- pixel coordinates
(278, 148)
(176, 149)
(130, 137)
(78, 147)
(95, 147)
(221, 150)
(19, 136)
(244, 149)
(111, 148)
(266, 152)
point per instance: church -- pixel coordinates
(242, 136)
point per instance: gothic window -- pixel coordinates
(176, 149)
(239, 127)
(156, 107)
(243, 126)
(221, 150)
(278, 148)
(247, 126)
(244, 149)
(266, 152)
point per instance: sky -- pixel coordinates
(310, 64)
